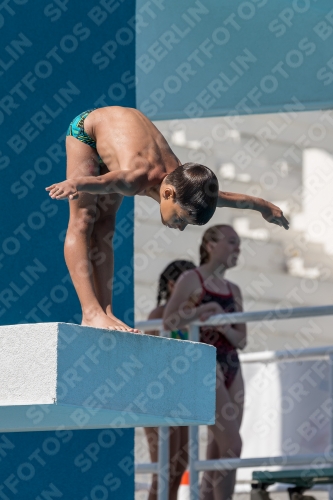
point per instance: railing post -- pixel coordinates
(193, 333)
(194, 336)
(163, 463)
(193, 458)
(163, 452)
(330, 385)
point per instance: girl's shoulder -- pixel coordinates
(187, 287)
(191, 280)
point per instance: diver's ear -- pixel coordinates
(169, 192)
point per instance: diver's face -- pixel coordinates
(172, 215)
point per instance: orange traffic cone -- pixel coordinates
(184, 488)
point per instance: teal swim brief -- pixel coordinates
(76, 129)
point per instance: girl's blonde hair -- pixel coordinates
(211, 234)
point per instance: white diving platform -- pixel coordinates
(59, 375)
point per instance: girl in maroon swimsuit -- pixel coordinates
(199, 294)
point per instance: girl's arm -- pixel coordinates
(236, 334)
(181, 309)
(125, 182)
(270, 212)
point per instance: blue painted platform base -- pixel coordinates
(61, 375)
(71, 465)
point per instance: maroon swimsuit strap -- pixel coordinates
(209, 291)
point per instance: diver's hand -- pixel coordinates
(274, 214)
(66, 189)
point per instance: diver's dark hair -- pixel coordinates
(171, 272)
(197, 190)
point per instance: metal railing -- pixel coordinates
(196, 465)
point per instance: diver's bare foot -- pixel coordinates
(113, 318)
(101, 320)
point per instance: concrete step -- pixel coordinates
(280, 288)
(265, 175)
(315, 257)
(288, 129)
(255, 254)
(270, 188)
(215, 134)
(294, 243)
